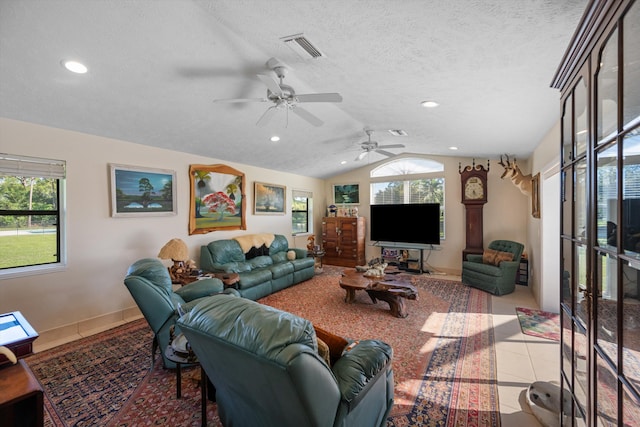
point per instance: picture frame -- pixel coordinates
(217, 199)
(140, 191)
(269, 199)
(346, 194)
(535, 196)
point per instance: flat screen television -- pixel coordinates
(417, 223)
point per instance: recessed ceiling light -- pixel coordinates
(75, 67)
(453, 148)
(275, 138)
(344, 162)
(429, 104)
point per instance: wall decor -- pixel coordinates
(535, 196)
(269, 199)
(140, 191)
(346, 194)
(217, 199)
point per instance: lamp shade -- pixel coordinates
(175, 249)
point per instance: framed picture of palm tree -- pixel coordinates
(139, 191)
(217, 199)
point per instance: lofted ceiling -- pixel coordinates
(155, 68)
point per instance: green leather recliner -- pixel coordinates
(265, 366)
(150, 286)
(498, 280)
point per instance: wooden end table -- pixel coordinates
(393, 289)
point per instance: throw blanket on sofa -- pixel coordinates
(254, 240)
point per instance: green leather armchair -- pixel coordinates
(266, 370)
(496, 279)
(150, 286)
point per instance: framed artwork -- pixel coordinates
(269, 199)
(217, 199)
(535, 196)
(139, 191)
(347, 194)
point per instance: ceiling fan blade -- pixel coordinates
(306, 115)
(231, 100)
(362, 155)
(319, 97)
(391, 146)
(273, 85)
(386, 153)
(264, 119)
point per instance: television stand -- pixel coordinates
(406, 256)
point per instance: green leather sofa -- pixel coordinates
(150, 286)
(260, 275)
(266, 370)
(496, 279)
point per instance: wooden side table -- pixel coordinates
(21, 396)
(180, 360)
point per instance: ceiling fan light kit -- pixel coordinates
(284, 97)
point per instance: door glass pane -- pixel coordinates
(607, 195)
(631, 67)
(607, 394)
(631, 193)
(631, 326)
(580, 106)
(567, 263)
(580, 368)
(607, 89)
(580, 197)
(567, 202)
(567, 141)
(580, 285)
(567, 344)
(607, 320)
(630, 408)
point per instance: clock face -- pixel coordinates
(473, 189)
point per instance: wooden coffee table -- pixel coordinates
(393, 289)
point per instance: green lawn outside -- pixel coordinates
(28, 249)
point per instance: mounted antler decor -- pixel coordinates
(513, 172)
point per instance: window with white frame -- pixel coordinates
(301, 212)
(31, 214)
(409, 180)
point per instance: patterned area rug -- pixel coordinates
(444, 361)
(539, 323)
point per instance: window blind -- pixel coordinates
(31, 166)
(302, 193)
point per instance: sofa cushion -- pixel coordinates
(252, 278)
(302, 263)
(279, 244)
(281, 269)
(260, 262)
(225, 251)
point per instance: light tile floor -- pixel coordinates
(521, 359)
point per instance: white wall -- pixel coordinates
(100, 248)
(505, 214)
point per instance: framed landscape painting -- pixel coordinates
(269, 199)
(346, 194)
(139, 191)
(217, 199)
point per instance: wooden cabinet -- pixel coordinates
(343, 241)
(21, 397)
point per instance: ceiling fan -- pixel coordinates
(369, 146)
(283, 97)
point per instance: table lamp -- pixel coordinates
(177, 251)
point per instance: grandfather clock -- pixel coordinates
(474, 196)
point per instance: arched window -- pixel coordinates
(409, 180)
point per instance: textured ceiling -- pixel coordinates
(155, 68)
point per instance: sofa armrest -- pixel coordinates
(360, 367)
(200, 288)
(474, 258)
(300, 253)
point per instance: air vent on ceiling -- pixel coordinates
(302, 46)
(398, 132)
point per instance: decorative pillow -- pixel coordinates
(323, 351)
(335, 343)
(291, 255)
(503, 256)
(489, 256)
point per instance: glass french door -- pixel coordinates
(600, 237)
